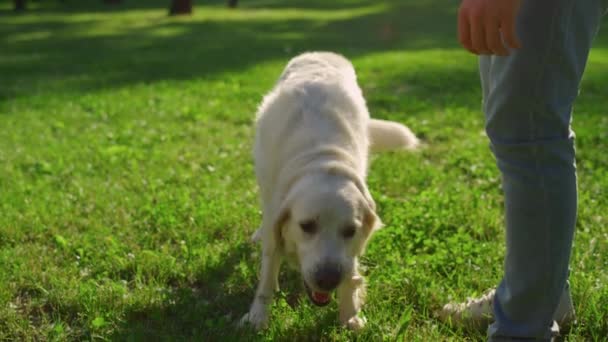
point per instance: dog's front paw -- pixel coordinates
(355, 323)
(258, 319)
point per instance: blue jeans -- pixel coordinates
(528, 99)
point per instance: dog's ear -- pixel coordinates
(371, 221)
(277, 228)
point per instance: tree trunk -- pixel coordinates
(19, 5)
(180, 7)
(233, 3)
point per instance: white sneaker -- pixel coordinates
(478, 313)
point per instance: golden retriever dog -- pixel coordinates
(313, 137)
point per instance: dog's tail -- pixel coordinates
(389, 135)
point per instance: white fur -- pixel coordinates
(311, 148)
(388, 135)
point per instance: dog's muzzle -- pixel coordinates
(328, 277)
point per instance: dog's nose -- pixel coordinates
(328, 277)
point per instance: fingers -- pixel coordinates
(487, 27)
(464, 33)
(507, 27)
(493, 39)
(478, 36)
(471, 29)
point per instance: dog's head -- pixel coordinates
(324, 226)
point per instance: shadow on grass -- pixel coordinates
(82, 6)
(196, 310)
(52, 53)
(208, 309)
(87, 6)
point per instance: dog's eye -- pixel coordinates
(309, 227)
(348, 232)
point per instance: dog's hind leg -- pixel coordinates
(351, 294)
(269, 274)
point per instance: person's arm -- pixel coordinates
(481, 22)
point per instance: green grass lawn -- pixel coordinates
(127, 193)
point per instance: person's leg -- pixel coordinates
(528, 98)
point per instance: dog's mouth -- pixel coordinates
(316, 297)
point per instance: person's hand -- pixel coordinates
(487, 27)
